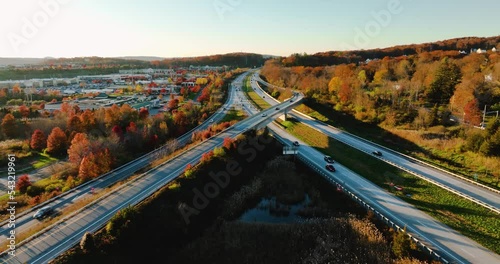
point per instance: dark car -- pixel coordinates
(277, 108)
(296, 143)
(329, 159)
(377, 153)
(330, 167)
(43, 212)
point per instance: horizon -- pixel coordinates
(170, 29)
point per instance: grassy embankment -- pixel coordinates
(468, 218)
(442, 152)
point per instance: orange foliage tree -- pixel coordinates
(56, 142)
(38, 140)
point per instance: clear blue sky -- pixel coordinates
(178, 28)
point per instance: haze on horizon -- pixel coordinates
(76, 28)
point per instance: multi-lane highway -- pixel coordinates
(451, 245)
(448, 243)
(25, 221)
(486, 197)
(69, 231)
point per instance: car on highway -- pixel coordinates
(43, 212)
(329, 159)
(291, 101)
(211, 120)
(263, 96)
(264, 115)
(296, 143)
(377, 153)
(277, 108)
(330, 167)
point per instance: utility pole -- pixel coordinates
(484, 116)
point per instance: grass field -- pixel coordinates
(468, 218)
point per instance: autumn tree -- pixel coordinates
(74, 124)
(228, 143)
(88, 120)
(24, 110)
(56, 142)
(38, 140)
(472, 115)
(143, 113)
(23, 183)
(9, 126)
(443, 86)
(80, 147)
(173, 104)
(93, 165)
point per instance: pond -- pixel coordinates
(270, 211)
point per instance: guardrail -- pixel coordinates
(345, 188)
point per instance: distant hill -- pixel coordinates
(20, 61)
(238, 59)
(141, 58)
(339, 57)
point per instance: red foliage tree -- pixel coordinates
(472, 115)
(173, 104)
(143, 113)
(38, 140)
(205, 95)
(56, 142)
(206, 134)
(80, 147)
(24, 110)
(132, 128)
(117, 130)
(228, 143)
(23, 183)
(74, 124)
(205, 157)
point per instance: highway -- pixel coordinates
(483, 196)
(25, 221)
(66, 233)
(451, 245)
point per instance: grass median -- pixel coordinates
(253, 96)
(473, 221)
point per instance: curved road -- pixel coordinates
(451, 245)
(478, 194)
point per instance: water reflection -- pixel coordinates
(271, 211)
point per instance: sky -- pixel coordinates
(183, 28)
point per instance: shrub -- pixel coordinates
(34, 190)
(87, 244)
